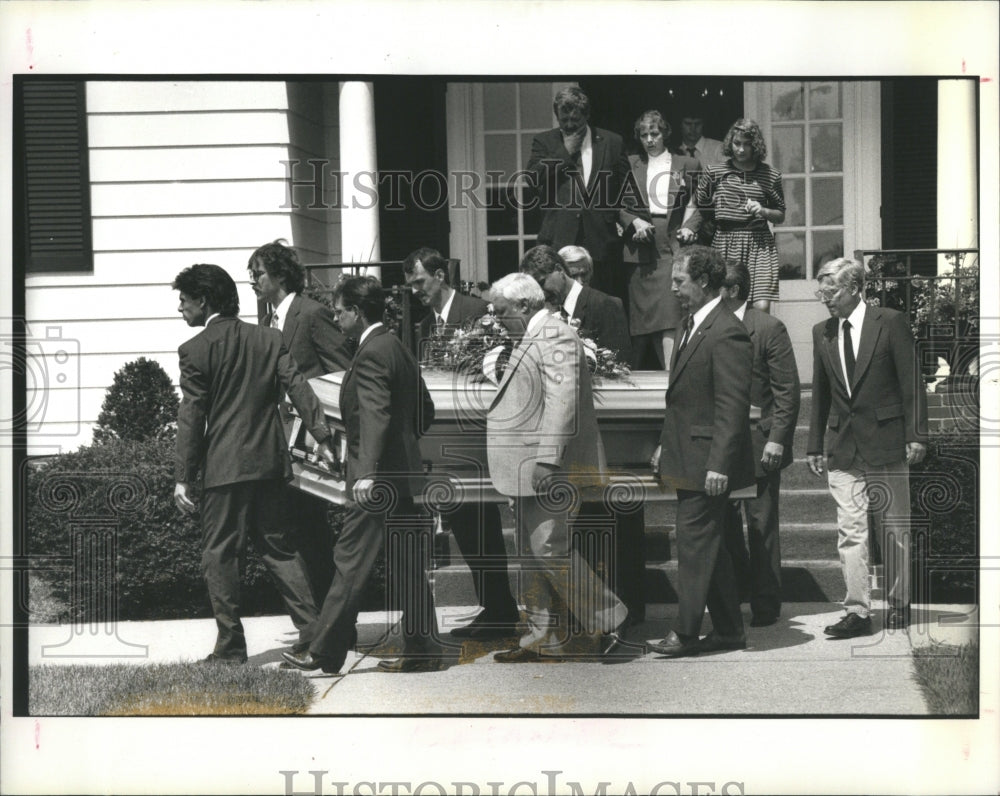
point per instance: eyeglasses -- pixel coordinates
(256, 275)
(338, 311)
(827, 293)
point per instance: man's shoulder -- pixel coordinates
(469, 306)
(764, 320)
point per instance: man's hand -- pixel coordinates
(716, 484)
(771, 458)
(685, 236)
(574, 141)
(540, 473)
(915, 452)
(182, 500)
(644, 231)
(815, 463)
(654, 460)
(323, 453)
(363, 489)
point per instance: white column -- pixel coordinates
(957, 187)
(359, 231)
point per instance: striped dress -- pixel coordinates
(739, 235)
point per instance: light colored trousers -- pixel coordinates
(886, 489)
(556, 580)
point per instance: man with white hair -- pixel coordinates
(867, 392)
(544, 450)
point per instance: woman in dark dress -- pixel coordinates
(746, 196)
(656, 224)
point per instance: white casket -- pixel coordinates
(629, 414)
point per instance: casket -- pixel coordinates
(629, 415)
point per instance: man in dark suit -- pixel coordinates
(318, 347)
(705, 452)
(602, 319)
(775, 390)
(867, 390)
(228, 429)
(578, 173)
(476, 526)
(385, 407)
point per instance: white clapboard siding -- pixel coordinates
(197, 163)
(187, 129)
(184, 95)
(143, 199)
(187, 232)
(149, 267)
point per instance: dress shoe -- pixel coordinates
(223, 660)
(714, 642)
(524, 655)
(676, 646)
(850, 626)
(897, 619)
(483, 628)
(763, 620)
(310, 663)
(410, 664)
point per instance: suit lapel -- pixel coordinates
(599, 148)
(641, 172)
(291, 323)
(832, 352)
(871, 328)
(692, 344)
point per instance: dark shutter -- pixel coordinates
(52, 157)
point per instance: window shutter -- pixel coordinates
(55, 176)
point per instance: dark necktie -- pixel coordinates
(688, 327)
(691, 150)
(439, 324)
(563, 314)
(849, 353)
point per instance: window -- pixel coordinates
(807, 145)
(51, 176)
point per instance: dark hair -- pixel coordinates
(430, 260)
(705, 261)
(363, 292)
(540, 261)
(651, 117)
(282, 264)
(738, 276)
(212, 283)
(572, 97)
(751, 130)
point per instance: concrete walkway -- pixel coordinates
(790, 668)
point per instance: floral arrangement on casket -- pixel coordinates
(481, 348)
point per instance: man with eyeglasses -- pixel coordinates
(867, 391)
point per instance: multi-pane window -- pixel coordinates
(513, 113)
(807, 146)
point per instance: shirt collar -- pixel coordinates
(741, 310)
(368, 331)
(281, 311)
(446, 309)
(569, 304)
(208, 320)
(701, 314)
(857, 317)
(535, 321)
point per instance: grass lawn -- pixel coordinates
(166, 690)
(948, 675)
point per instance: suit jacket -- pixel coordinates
(385, 407)
(233, 375)
(602, 317)
(708, 151)
(572, 214)
(684, 173)
(707, 422)
(887, 407)
(463, 309)
(543, 412)
(313, 339)
(774, 385)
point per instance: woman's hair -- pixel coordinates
(651, 117)
(750, 129)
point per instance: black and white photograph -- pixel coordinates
(498, 398)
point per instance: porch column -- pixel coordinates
(359, 231)
(957, 187)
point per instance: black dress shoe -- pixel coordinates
(310, 663)
(524, 655)
(850, 626)
(410, 664)
(713, 642)
(676, 646)
(483, 628)
(763, 620)
(897, 619)
(223, 660)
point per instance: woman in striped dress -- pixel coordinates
(745, 195)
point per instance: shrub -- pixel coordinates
(140, 404)
(124, 490)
